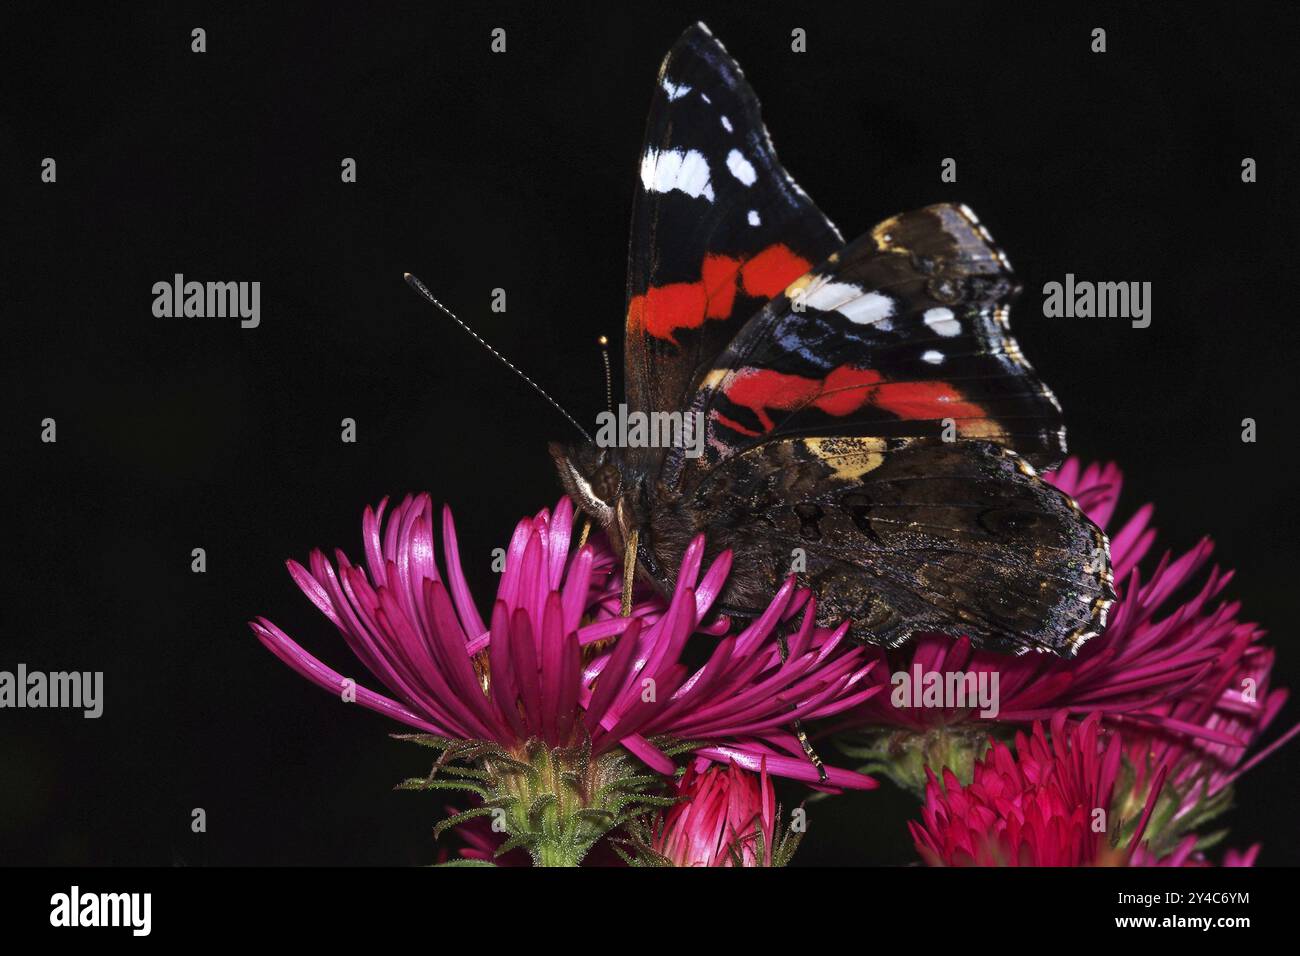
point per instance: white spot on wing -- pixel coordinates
(741, 168)
(754, 219)
(942, 322)
(674, 91)
(870, 309)
(726, 124)
(933, 356)
(850, 301)
(664, 171)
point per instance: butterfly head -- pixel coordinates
(593, 477)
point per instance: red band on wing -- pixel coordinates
(718, 276)
(842, 392)
(662, 310)
(913, 401)
(768, 273)
(665, 308)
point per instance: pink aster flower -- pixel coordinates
(1239, 703)
(1186, 854)
(1148, 669)
(1201, 770)
(552, 664)
(726, 817)
(1156, 665)
(1048, 803)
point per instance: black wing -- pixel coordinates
(905, 332)
(718, 226)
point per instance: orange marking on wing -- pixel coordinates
(718, 276)
(845, 389)
(922, 400)
(666, 308)
(761, 389)
(842, 392)
(662, 310)
(768, 273)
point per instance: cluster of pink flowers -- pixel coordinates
(1116, 757)
(1034, 806)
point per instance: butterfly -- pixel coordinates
(868, 422)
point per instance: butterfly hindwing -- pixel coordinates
(905, 332)
(718, 226)
(905, 536)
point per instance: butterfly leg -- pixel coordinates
(799, 731)
(586, 530)
(629, 572)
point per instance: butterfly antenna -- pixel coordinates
(423, 290)
(603, 342)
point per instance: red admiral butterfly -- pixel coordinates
(864, 405)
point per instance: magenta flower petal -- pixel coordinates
(723, 816)
(460, 592)
(1034, 806)
(283, 647)
(555, 662)
(751, 757)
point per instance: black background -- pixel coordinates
(479, 171)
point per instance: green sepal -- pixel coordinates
(556, 803)
(903, 756)
(456, 819)
(424, 783)
(463, 861)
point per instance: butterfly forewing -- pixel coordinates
(718, 226)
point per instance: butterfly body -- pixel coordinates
(870, 426)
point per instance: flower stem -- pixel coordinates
(555, 854)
